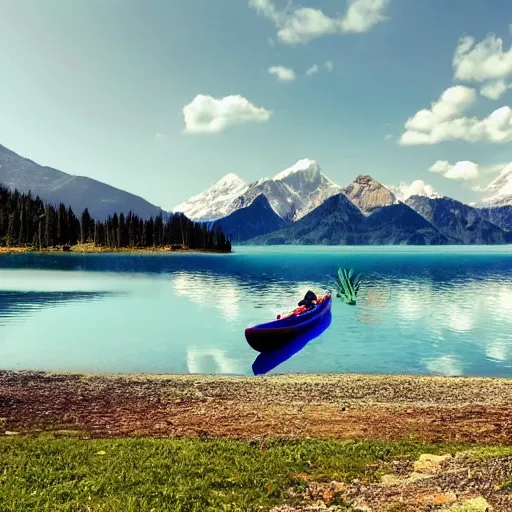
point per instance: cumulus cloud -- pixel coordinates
(206, 114)
(494, 90)
(312, 70)
(329, 65)
(444, 120)
(485, 62)
(460, 171)
(300, 25)
(283, 74)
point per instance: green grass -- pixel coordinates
(489, 452)
(157, 475)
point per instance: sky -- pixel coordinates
(162, 98)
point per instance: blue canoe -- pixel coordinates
(272, 335)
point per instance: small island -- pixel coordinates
(27, 224)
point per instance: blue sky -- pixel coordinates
(98, 88)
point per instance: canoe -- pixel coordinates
(272, 335)
(271, 359)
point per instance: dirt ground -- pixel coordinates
(346, 407)
(341, 406)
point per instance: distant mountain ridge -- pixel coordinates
(292, 193)
(415, 214)
(339, 222)
(300, 204)
(458, 221)
(500, 189)
(252, 221)
(54, 186)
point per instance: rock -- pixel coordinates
(368, 194)
(439, 498)
(9, 433)
(396, 480)
(428, 463)
(474, 505)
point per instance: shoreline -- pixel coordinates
(364, 442)
(92, 249)
(346, 406)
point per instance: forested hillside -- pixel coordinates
(27, 221)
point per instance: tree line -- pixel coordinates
(27, 221)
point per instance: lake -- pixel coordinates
(425, 310)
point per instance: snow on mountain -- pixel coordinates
(292, 193)
(215, 202)
(500, 189)
(307, 187)
(416, 188)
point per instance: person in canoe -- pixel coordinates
(309, 301)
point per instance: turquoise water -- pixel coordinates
(420, 311)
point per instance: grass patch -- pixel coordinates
(490, 452)
(159, 475)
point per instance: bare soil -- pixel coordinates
(434, 409)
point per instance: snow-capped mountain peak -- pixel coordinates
(214, 202)
(416, 188)
(230, 180)
(305, 166)
(292, 193)
(500, 189)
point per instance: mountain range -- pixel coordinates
(292, 194)
(299, 205)
(303, 206)
(79, 192)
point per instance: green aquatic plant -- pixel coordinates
(347, 285)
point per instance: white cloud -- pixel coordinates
(460, 171)
(388, 136)
(444, 121)
(362, 15)
(303, 24)
(482, 62)
(283, 74)
(494, 90)
(312, 70)
(206, 114)
(329, 66)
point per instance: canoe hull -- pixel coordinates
(271, 336)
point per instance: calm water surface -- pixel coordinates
(420, 311)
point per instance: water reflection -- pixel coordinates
(227, 294)
(16, 306)
(211, 360)
(447, 365)
(447, 314)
